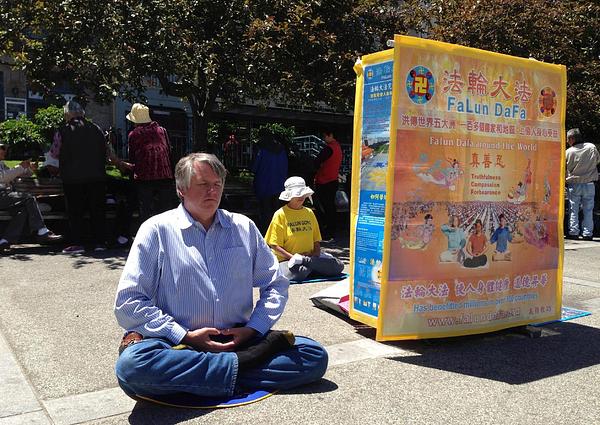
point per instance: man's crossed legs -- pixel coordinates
(153, 367)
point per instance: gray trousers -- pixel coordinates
(24, 211)
(318, 266)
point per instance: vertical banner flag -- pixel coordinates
(369, 170)
(472, 237)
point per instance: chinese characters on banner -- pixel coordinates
(473, 223)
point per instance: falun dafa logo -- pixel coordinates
(547, 101)
(420, 85)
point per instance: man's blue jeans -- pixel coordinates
(153, 367)
(581, 194)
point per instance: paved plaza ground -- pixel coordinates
(59, 338)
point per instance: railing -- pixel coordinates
(312, 145)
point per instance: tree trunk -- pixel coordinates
(201, 114)
(200, 131)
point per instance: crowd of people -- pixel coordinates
(80, 151)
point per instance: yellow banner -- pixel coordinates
(474, 211)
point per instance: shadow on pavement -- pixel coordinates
(321, 386)
(148, 413)
(145, 413)
(508, 357)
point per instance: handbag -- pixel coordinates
(341, 200)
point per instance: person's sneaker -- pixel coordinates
(572, 237)
(100, 248)
(122, 241)
(4, 247)
(587, 238)
(73, 249)
(49, 237)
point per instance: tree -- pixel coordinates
(209, 52)
(48, 121)
(555, 31)
(23, 137)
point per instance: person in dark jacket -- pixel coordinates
(270, 169)
(80, 148)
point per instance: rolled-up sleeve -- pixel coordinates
(273, 286)
(135, 307)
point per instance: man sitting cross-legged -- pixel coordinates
(188, 280)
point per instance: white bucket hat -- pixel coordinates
(295, 187)
(140, 114)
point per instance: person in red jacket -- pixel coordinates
(149, 152)
(326, 184)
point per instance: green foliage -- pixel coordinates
(564, 32)
(219, 132)
(293, 52)
(49, 120)
(279, 131)
(23, 138)
(245, 176)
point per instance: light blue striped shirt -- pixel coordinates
(180, 277)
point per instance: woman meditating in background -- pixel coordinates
(294, 236)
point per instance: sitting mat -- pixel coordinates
(192, 401)
(322, 279)
(567, 313)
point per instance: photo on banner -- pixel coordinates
(474, 211)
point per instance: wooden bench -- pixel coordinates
(39, 187)
(47, 191)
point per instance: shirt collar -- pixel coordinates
(185, 220)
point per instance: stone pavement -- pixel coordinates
(58, 345)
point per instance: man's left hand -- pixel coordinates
(240, 335)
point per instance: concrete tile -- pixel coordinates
(16, 396)
(33, 418)
(592, 304)
(87, 407)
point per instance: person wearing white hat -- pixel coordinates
(294, 236)
(150, 154)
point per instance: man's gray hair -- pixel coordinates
(184, 170)
(73, 108)
(575, 134)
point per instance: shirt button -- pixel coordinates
(218, 300)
